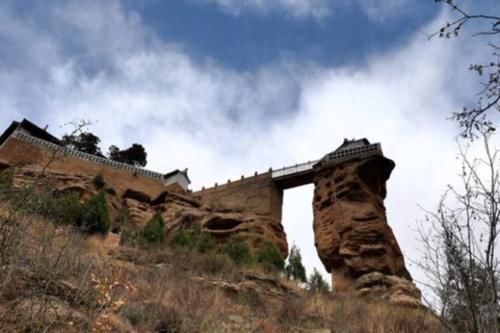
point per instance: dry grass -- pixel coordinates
(57, 280)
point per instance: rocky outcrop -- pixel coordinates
(179, 211)
(391, 288)
(352, 236)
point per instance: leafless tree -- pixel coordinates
(475, 118)
(460, 241)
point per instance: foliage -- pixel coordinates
(65, 208)
(194, 239)
(294, 268)
(474, 119)
(183, 239)
(99, 181)
(134, 155)
(237, 249)
(461, 245)
(94, 216)
(317, 283)
(85, 142)
(205, 242)
(270, 255)
(6, 182)
(154, 230)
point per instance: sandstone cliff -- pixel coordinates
(352, 236)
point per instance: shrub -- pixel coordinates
(294, 268)
(317, 282)
(193, 240)
(213, 264)
(183, 239)
(154, 230)
(99, 181)
(270, 255)
(63, 209)
(94, 216)
(128, 235)
(238, 251)
(6, 177)
(205, 242)
(158, 317)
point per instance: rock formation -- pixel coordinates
(353, 239)
(180, 211)
(352, 236)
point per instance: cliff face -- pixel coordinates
(352, 236)
(180, 211)
(353, 239)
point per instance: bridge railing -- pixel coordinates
(297, 168)
(88, 157)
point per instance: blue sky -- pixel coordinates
(227, 87)
(245, 41)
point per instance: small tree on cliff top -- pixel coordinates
(134, 155)
(85, 142)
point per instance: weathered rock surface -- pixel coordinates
(352, 236)
(254, 228)
(179, 211)
(394, 289)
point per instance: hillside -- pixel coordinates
(56, 276)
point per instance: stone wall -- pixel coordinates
(257, 194)
(14, 152)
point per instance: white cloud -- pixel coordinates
(380, 10)
(376, 10)
(297, 8)
(222, 123)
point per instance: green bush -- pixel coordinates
(128, 235)
(193, 240)
(294, 268)
(238, 251)
(99, 181)
(270, 255)
(317, 282)
(183, 239)
(154, 230)
(6, 177)
(94, 216)
(205, 242)
(62, 209)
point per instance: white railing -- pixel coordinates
(290, 170)
(354, 152)
(88, 157)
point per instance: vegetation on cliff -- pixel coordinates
(56, 278)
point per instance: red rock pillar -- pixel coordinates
(352, 236)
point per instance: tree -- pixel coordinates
(85, 142)
(474, 119)
(294, 268)
(134, 155)
(269, 255)
(154, 230)
(460, 240)
(317, 282)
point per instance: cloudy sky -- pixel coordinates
(227, 87)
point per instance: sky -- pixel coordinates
(229, 87)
